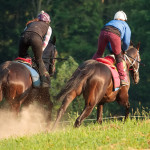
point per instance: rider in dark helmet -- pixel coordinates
(37, 34)
(112, 34)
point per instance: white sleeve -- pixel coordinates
(47, 37)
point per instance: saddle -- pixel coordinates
(110, 62)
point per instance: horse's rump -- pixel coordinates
(12, 75)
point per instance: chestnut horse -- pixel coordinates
(16, 83)
(94, 81)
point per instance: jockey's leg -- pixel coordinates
(23, 46)
(120, 68)
(37, 50)
(115, 42)
(102, 42)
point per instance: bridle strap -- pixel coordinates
(132, 63)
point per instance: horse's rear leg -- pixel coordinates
(46, 100)
(91, 101)
(15, 108)
(49, 109)
(99, 113)
(87, 111)
(68, 99)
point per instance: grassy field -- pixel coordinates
(134, 134)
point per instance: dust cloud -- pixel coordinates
(30, 121)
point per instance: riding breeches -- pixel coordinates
(35, 41)
(115, 41)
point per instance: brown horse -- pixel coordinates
(16, 83)
(94, 81)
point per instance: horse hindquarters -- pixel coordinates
(89, 72)
(94, 91)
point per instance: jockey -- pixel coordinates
(113, 33)
(37, 34)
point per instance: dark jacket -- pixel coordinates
(39, 27)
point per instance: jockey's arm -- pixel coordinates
(47, 38)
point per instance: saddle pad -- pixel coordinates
(34, 74)
(110, 64)
(27, 60)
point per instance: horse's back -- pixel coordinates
(100, 70)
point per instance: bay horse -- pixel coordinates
(16, 83)
(94, 81)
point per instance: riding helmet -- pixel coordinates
(120, 15)
(43, 16)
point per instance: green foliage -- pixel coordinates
(63, 73)
(78, 25)
(134, 134)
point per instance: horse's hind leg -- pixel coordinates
(88, 109)
(15, 107)
(49, 107)
(90, 100)
(99, 113)
(68, 99)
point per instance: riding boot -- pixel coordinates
(44, 75)
(122, 74)
(45, 80)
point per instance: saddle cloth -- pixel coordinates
(109, 61)
(26, 60)
(34, 75)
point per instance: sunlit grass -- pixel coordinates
(133, 134)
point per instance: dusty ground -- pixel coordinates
(30, 121)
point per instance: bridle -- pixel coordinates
(127, 57)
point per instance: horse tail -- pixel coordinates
(3, 76)
(78, 79)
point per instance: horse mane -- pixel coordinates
(81, 74)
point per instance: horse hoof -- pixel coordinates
(77, 124)
(99, 122)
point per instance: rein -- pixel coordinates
(60, 59)
(126, 55)
(57, 58)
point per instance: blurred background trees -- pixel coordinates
(76, 25)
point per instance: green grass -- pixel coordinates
(134, 134)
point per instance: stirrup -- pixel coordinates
(124, 82)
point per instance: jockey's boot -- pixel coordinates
(122, 74)
(45, 81)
